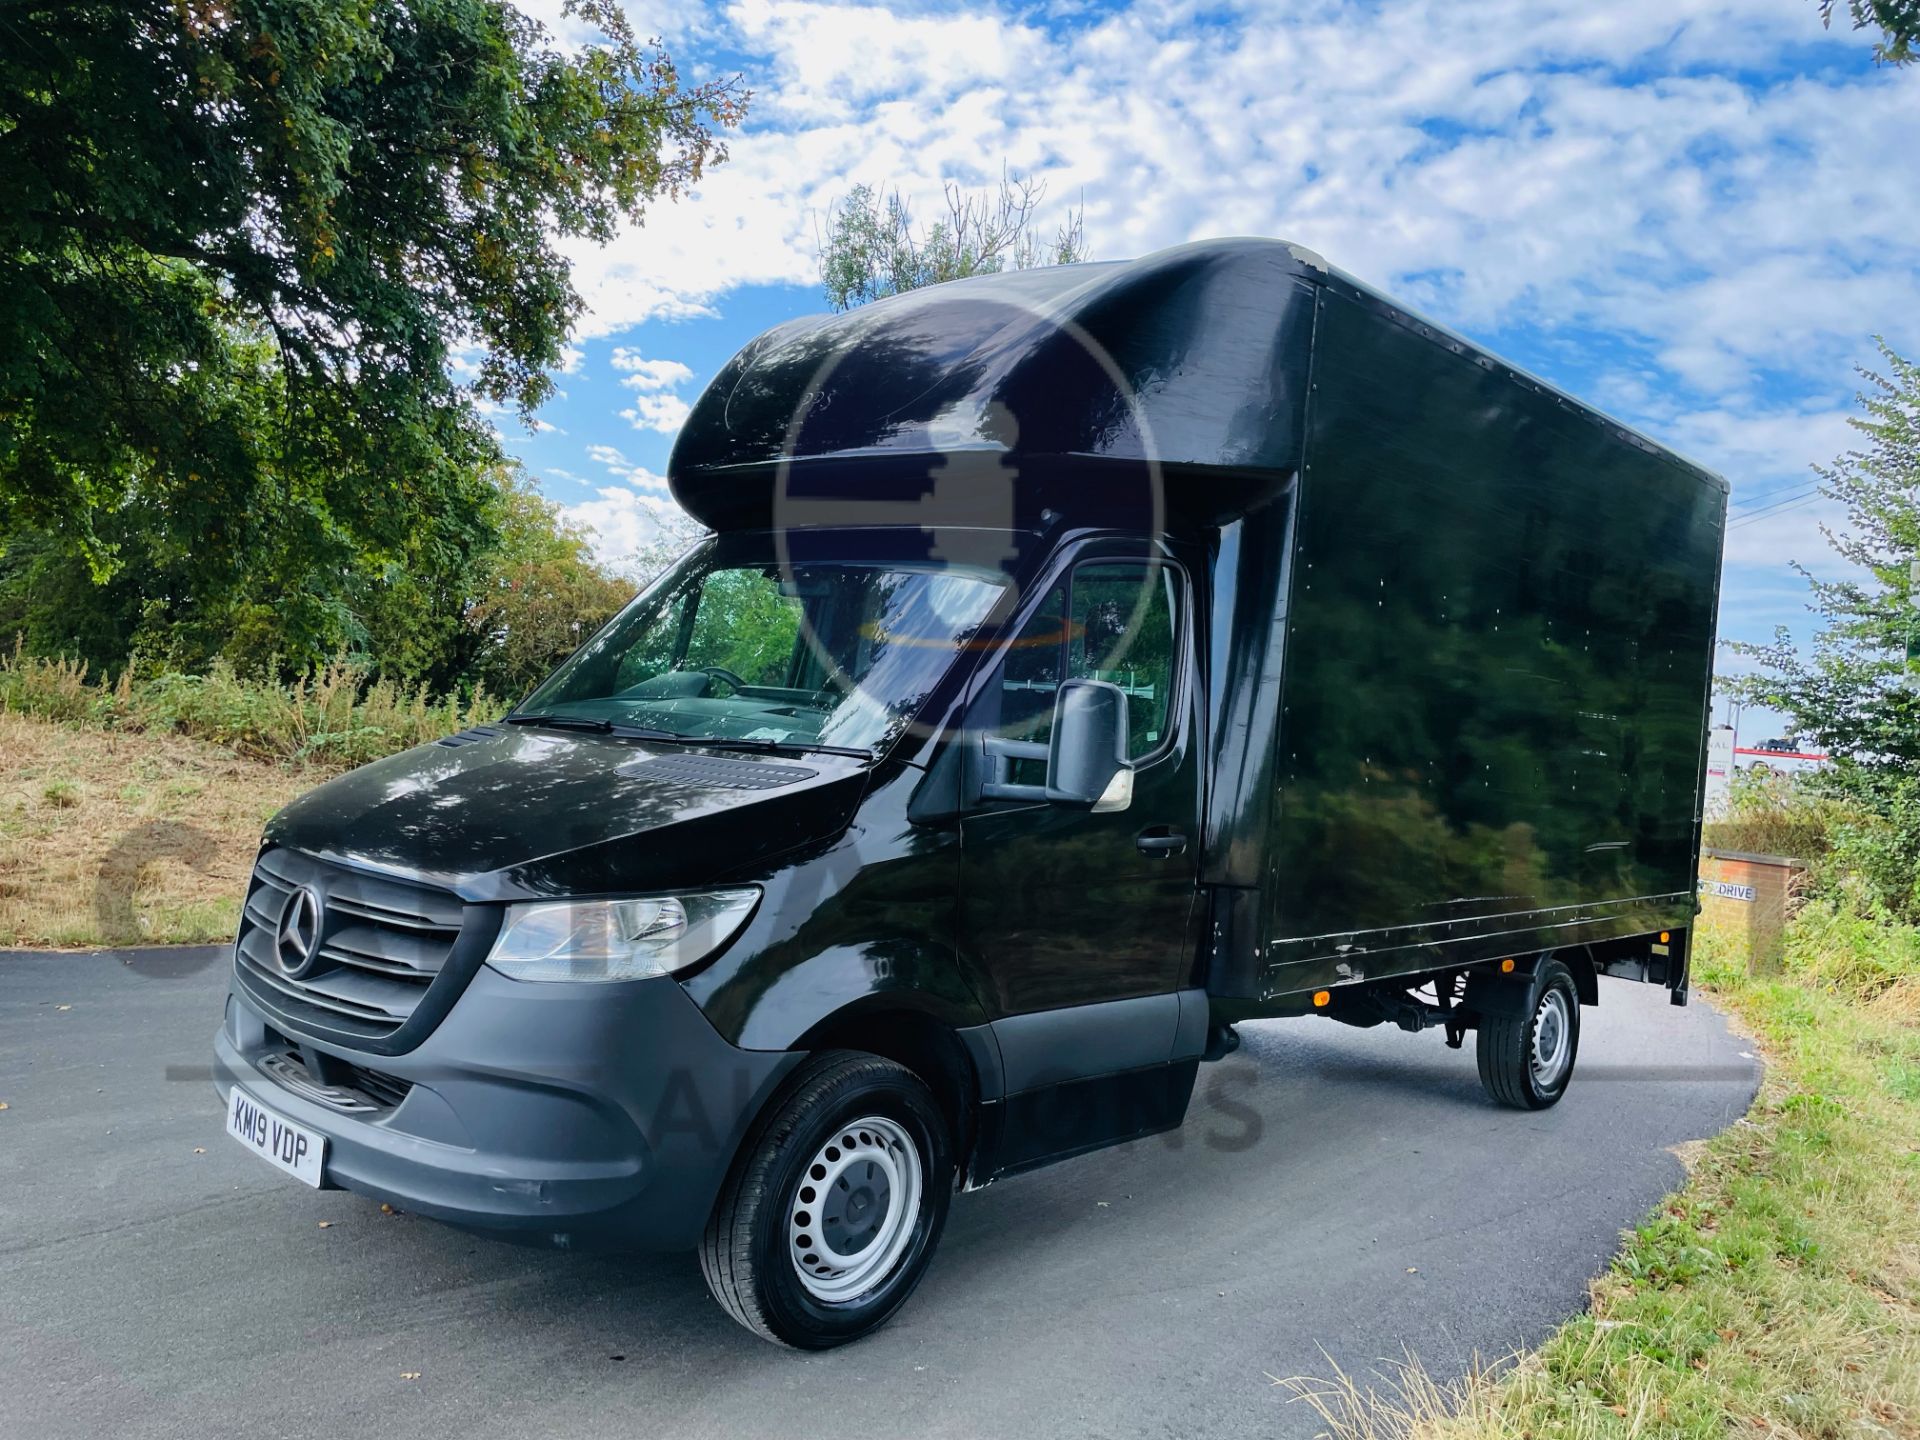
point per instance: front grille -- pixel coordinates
(377, 946)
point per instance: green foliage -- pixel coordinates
(1779, 815)
(334, 715)
(1853, 694)
(1880, 849)
(1862, 849)
(1856, 694)
(744, 624)
(496, 589)
(539, 595)
(1898, 22)
(872, 248)
(1860, 955)
(237, 245)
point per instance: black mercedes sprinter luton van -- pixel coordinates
(1083, 660)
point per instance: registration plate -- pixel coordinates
(293, 1148)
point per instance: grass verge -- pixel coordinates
(109, 838)
(1778, 1292)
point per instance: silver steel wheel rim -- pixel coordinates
(853, 1214)
(1552, 1039)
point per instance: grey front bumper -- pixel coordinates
(597, 1116)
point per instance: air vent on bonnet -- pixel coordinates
(467, 737)
(711, 773)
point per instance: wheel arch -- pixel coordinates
(930, 1045)
(1586, 978)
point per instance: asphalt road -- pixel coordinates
(1333, 1190)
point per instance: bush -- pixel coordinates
(1777, 815)
(1879, 847)
(1861, 841)
(335, 715)
(1859, 953)
(49, 689)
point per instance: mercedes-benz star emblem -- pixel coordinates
(297, 940)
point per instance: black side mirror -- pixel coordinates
(1086, 757)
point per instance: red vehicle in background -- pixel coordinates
(1776, 757)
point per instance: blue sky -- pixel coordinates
(1696, 215)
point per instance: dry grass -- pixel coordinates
(112, 838)
(1776, 1295)
(337, 715)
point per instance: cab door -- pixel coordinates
(1079, 925)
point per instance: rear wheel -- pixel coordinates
(1526, 1059)
(834, 1206)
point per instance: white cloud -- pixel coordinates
(1542, 162)
(665, 413)
(644, 374)
(625, 519)
(653, 408)
(1671, 195)
(616, 464)
(621, 522)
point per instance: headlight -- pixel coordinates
(617, 939)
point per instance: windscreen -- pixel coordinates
(828, 653)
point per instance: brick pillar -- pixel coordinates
(1749, 897)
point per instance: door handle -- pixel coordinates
(1160, 841)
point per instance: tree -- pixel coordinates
(496, 601)
(540, 593)
(1898, 22)
(239, 240)
(1854, 693)
(872, 248)
(1857, 693)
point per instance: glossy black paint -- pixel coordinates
(1082, 378)
(1440, 695)
(1059, 906)
(1497, 658)
(529, 814)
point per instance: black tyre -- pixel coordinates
(834, 1206)
(1527, 1059)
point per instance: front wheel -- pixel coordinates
(834, 1206)
(1526, 1059)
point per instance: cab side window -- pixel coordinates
(1033, 669)
(1120, 628)
(1113, 620)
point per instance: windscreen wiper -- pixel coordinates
(564, 722)
(778, 747)
(640, 732)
